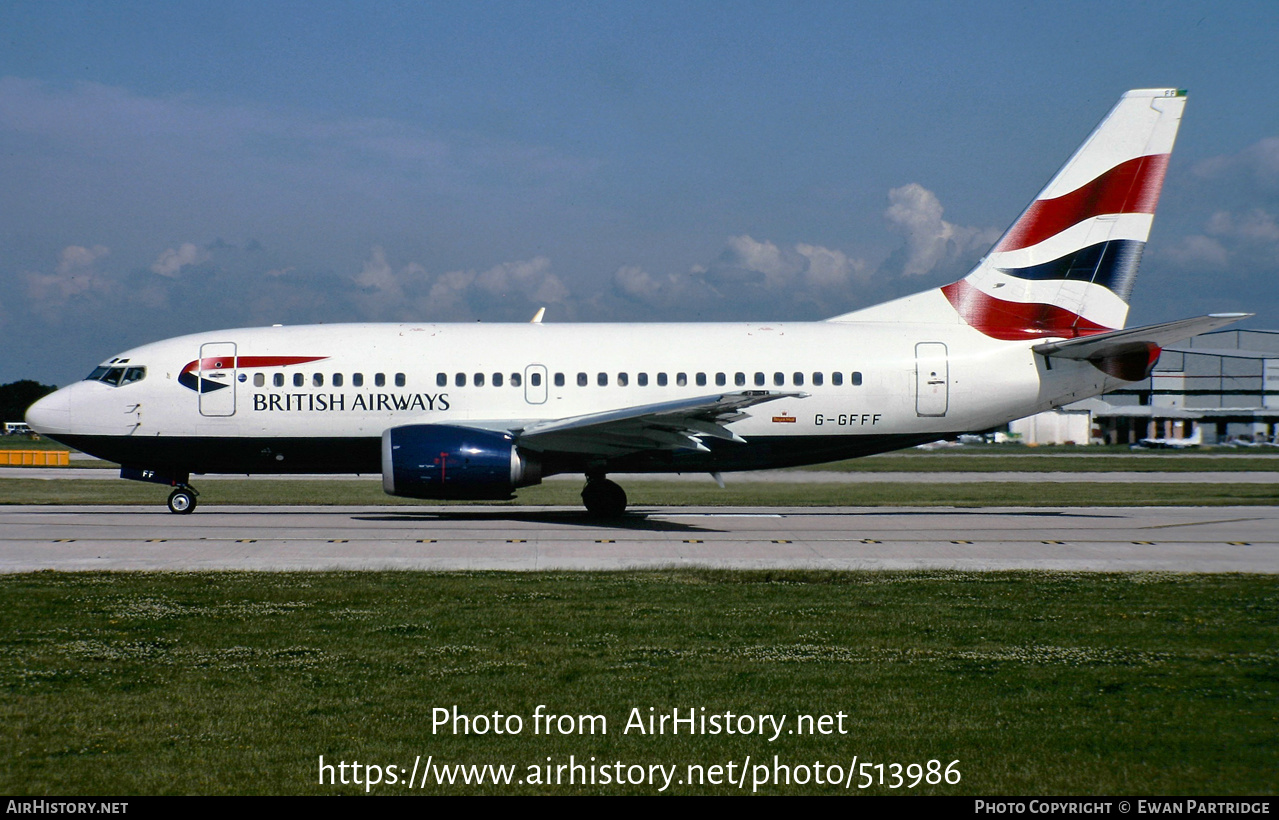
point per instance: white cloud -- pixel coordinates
(75, 274)
(931, 242)
(831, 268)
(171, 262)
(660, 292)
(76, 257)
(1196, 253)
(916, 212)
(411, 292)
(377, 275)
(1254, 226)
(531, 279)
(1257, 164)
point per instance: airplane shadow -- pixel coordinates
(638, 521)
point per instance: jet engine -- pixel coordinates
(443, 461)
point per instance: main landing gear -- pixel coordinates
(182, 500)
(603, 498)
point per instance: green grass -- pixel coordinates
(1037, 683)
(24, 443)
(658, 493)
(1045, 463)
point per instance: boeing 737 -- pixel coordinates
(477, 411)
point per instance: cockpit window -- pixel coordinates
(117, 376)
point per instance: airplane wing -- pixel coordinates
(671, 425)
(1118, 342)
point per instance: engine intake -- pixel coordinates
(443, 462)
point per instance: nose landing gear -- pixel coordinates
(182, 500)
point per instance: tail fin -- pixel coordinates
(1066, 266)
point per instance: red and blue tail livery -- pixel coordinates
(1066, 267)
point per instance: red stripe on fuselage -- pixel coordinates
(1016, 320)
(1131, 187)
(223, 362)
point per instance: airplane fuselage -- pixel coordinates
(318, 398)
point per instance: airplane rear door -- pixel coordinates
(932, 379)
(535, 388)
(217, 379)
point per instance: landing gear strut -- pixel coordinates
(182, 500)
(603, 498)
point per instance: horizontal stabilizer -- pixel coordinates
(1119, 341)
(1131, 354)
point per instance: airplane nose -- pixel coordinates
(52, 414)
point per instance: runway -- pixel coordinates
(1102, 539)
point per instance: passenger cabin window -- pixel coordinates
(681, 379)
(720, 380)
(661, 379)
(379, 379)
(337, 380)
(559, 379)
(459, 380)
(857, 378)
(399, 379)
(259, 379)
(357, 379)
(641, 379)
(837, 379)
(623, 379)
(759, 379)
(298, 380)
(601, 379)
(516, 380)
(739, 379)
(581, 380)
(797, 379)
(441, 380)
(317, 380)
(278, 380)
(479, 379)
(497, 379)
(817, 379)
(779, 379)
(535, 379)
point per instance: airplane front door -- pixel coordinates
(535, 388)
(217, 379)
(932, 379)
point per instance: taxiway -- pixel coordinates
(1106, 539)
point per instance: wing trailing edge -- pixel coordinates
(672, 425)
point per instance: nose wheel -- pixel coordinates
(182, 500)
(603, 498)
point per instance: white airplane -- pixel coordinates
(477, 410)
(1172, 442)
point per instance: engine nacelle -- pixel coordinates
(443, 461)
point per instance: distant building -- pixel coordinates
(1223, 386)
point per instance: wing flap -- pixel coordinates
(672, 425)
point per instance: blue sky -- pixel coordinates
(176, 167)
